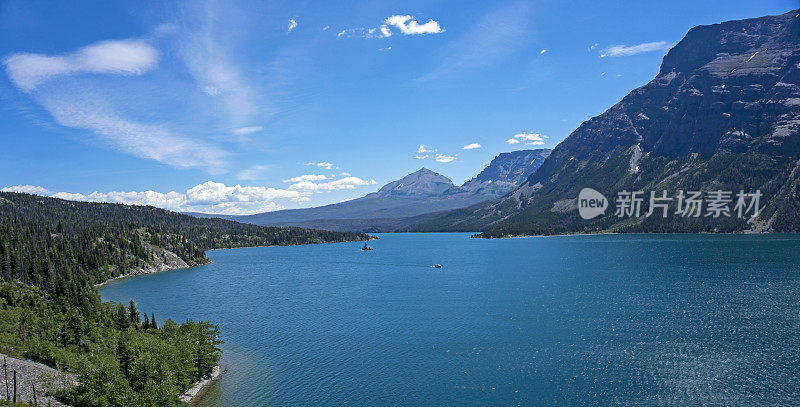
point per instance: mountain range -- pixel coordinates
(399, 202)
(723, 113)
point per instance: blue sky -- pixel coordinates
(247, 106)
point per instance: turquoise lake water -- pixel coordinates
(579, 320)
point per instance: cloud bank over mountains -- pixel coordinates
(214, 197)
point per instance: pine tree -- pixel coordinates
(122, 320)
(133, 313)
(153, 321)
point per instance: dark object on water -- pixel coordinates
(438, 266)
(366, 247)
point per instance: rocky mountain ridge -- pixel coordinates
(722, 114)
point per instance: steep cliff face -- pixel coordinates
(723, 113)
(508, 170)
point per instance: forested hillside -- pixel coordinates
(53, 252)
(63, 246)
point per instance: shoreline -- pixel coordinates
(199, 387)
(371, 238)
(142, 272)
(631, 233)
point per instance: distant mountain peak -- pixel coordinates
(421, 182)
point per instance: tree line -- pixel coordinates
(53, 252)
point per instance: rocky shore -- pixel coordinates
(163, 260)
(30, 375)
(200, 386)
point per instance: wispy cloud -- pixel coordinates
(492, 38)
(628, 50)
(79, 105)
(531, 139)
(409, 26)
(423, 149)
(145, 140)
(421, 157)
(123, 57)
(444, 158)
(213, 66)
(544, 51)
(342, 183)
(253, 173)
(307, 177)
(471, 146)
(381, 32)
(243, 131)
(292, 25)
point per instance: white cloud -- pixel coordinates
(421, 157)
(212, 192)
(324, 164)
(209, 197)
(423, 149)
(471, 146)
(407, 25)
(243, 131)
(626, 50)
(292, 25)
(603, 74)
(123, 57)
(343, 183)
(26, 189)
(531, 139)
(444, 158)
(326, 28)
(543, 51)
(70, 196)
(171, 200)
(307, 177)
(593, 46)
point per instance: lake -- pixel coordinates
(576, 320)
